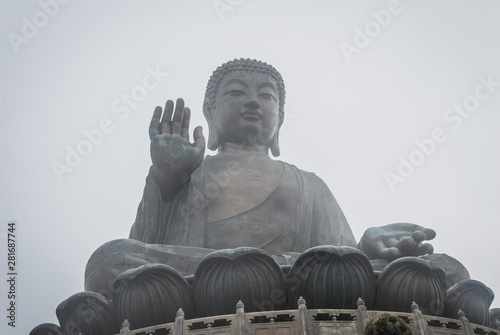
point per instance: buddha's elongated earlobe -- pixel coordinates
(213, 135)
(275, 146)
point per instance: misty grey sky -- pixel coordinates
(366, 91)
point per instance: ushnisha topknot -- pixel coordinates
(251, 65)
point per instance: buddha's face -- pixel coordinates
(246, 110)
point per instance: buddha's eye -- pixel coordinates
(267, 96)
(235, 93)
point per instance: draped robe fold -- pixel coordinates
(300, 213)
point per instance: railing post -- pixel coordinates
(304, 324)
(125, 327)
(362, 315)
(239, 322)
(465, 322)
(422, 327)
(179, 322)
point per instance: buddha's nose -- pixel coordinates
(252, 102)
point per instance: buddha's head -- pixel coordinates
(244, 104)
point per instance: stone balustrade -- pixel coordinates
(305, 321)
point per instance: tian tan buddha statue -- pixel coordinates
(240, 225)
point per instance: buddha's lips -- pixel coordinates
(251, 115)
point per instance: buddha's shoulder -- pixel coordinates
(308, 177)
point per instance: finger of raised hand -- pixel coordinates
(178, 114)
(185, 123)
(199, 139)
(165, 127)
(155, 122)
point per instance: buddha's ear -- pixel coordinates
(213, 135)
(275, 145)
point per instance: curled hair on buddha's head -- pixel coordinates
(250, 65)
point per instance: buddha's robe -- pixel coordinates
(300, 213)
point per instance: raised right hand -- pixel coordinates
(174, 157)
